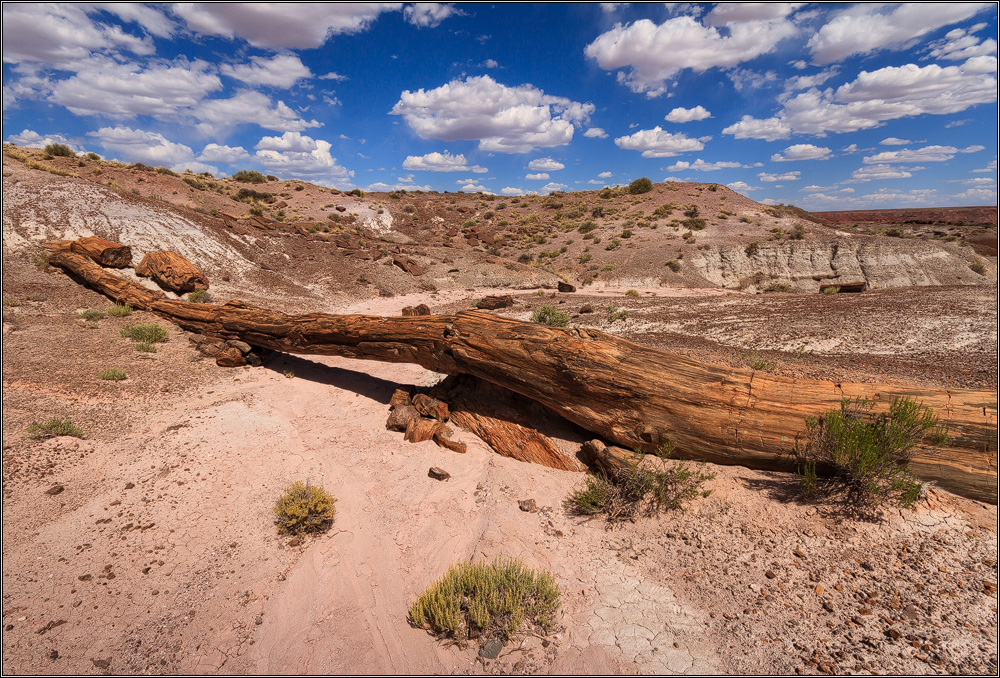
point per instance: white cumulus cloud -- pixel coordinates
(865, 28)
(545, 165)
(428, 14)
(296, 155)
(650, 54)
(595, 133)
(224, 154)
(135, 145)
(656, 143)
(925, 154)
(541, 176)
(679, 115)
(879, 172)
(282, 70)
(771, 178)
(441, 162)
(503, 119)
(249, 106)
(802, 152)
(700, 165)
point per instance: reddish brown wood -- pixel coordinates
(172, 271)
(104, 252)
(633, 395)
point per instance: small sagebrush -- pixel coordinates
(637, 489)
(550, 315)
(477, 600)
(119, 310)
(113, 374)
(92, 314)
(200, 297)
(150, 333)
(145, 347)
(866, 455)
(55, 427)
(304, 508)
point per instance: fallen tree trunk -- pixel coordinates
(636, 396)
(104, 252)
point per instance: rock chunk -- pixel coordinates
(438, 473)
(566, 287)
(420, 429)
(431, 407)
(230, 357)
(104, 252)
(420, 309)
(172, 271)
(400, 418)
(495, 301)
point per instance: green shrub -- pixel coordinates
(113, 374)
(978, 267)
(167, 171)
(249, 177)
(60, 149)
(673, 265)
(92, 314)
(550, 315)
(93, 156)
(614, 244)
(119, 310)
(150, 333)
(145, 347)
(631, 293)
(752, 248)
(830, 290)
(11, 301)
(615, 314)
(638, 489)
(200, 297)
(798, 232)
(894, 233)
(641, 185)
(475, 600)
(248, 195)
(304, 508)
(778, 287)
(55, 427)
(756, 361)
(866, 455)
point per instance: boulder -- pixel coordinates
(402, 396)
(495, 301)
(420, 309)
(409, 265)
(438, 473)
(172, 271)
(566, 287)
(400, 417)
(241, 345)
(230, 357)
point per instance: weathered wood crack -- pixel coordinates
(636, 396)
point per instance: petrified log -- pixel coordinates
(172, 271)
(495, 301)
(636, 396)
(104, 252)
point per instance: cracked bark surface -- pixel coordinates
(636, 396)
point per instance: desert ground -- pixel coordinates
(148, 545)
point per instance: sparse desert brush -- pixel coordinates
(639, 489)
(752, 248)
(778, 287)
(146, 333)
(92, 314)
(249, 177)
(756, 361)
(631, 293)
(477, 600)
(798, 232)
(11, 301)
(615, 314)
(61, 150)
(304, 508)
(830, 290)
(113, 374)
(866, 456)
(673, 265)
(550, 315)
(978, 267)
(200, 297)
(119, 310)
(40, 260)
(641, 185)
(55, 427)
(145, 347)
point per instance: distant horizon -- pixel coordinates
(828, 107)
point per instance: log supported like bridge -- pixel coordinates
(636, 396)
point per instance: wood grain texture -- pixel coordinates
(172, 271)
(635, 396)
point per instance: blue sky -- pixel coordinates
(825, 106)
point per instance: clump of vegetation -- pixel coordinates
(752, 249)
(673, 265)
(150, 333)
(641, 487)
(587, 227)
(249, 177)
(477, 600)
(92, 314)
(119, 310)
(248, 195)
(778, 287)
(93, 156)
(55, 427)
(978, 267)
(614, 244)
(200, 297)
(113, 374)
(631, 293)
(641, 185)
(615, 314)
(866, 456)
(798, 232)
(61, 150)
(304, 508)
(894, 232)
(550, 315)
(756, 361)
(145, 347)
(830, 290)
